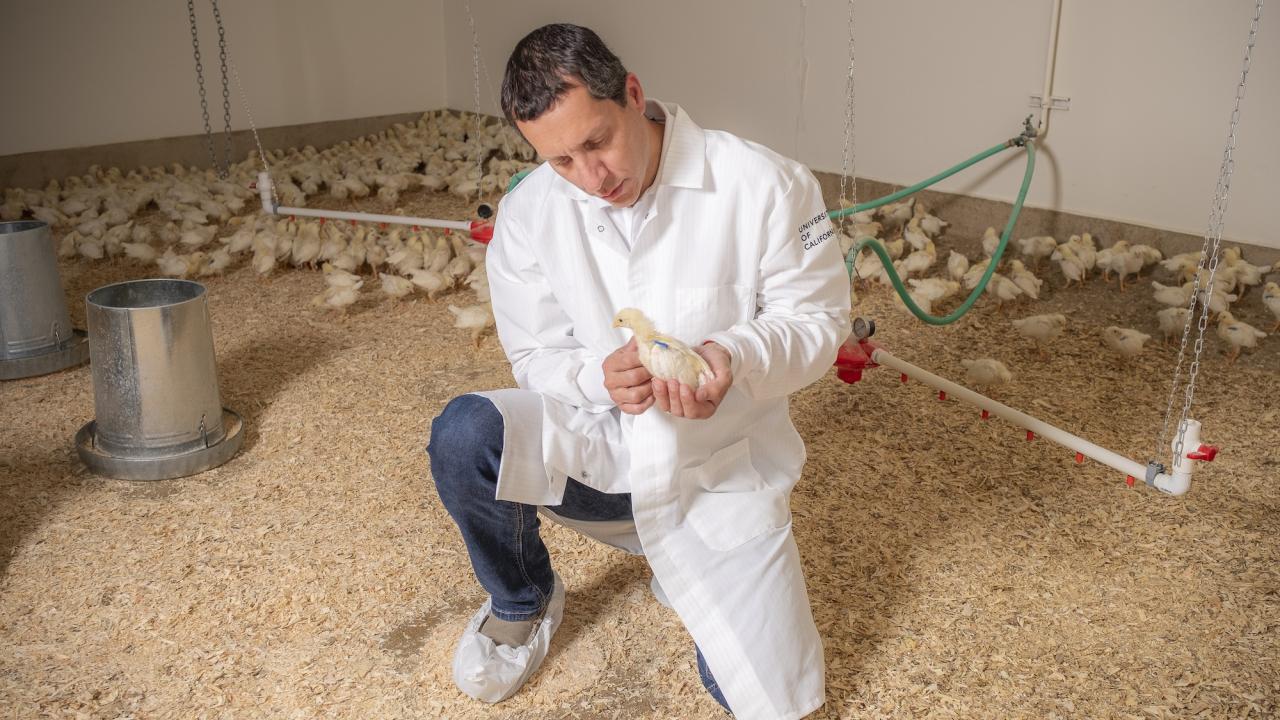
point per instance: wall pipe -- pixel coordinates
(1046, 97)
(480, 231)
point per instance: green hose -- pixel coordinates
(878, 248)
(836, 214)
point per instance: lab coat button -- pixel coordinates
(599, 228)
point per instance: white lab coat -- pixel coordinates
(737, 248)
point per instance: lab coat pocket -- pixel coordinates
(728, 503)
(701, 311)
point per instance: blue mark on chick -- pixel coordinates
(661, 344)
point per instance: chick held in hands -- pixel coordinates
(686, 383)
(665, 357)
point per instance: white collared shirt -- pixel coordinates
(627, 220)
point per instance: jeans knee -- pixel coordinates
(465, 437)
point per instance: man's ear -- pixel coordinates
(635, 93)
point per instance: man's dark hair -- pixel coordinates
(551, 60)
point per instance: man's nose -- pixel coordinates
(597, 174)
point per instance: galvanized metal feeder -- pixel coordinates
(155, 385)
(36, 336)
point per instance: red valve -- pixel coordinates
(942, 394)
(481, 231)
(985, 415)
(1030, 436)
(1079, 458)
(1128, 480)
(904, 377)
(1205, 452)
(853, 357)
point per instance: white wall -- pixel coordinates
(86, 72)
(1151, 84)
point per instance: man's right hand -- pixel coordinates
(627, 381)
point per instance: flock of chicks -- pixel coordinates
(911, 231)
(190, 223)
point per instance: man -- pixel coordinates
(724, 245)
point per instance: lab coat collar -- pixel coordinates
(684, 158)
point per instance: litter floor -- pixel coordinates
(955, 569)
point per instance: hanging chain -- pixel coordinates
(262, 154)
(204, 103)
(475, 71)
(225, 170)
(1210, 250)
(848, 158)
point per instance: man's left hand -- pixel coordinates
(680, 400)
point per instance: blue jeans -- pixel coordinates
(507, 553)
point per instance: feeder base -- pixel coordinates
(161, 468)
(69, 354)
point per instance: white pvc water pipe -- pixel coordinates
(1046, 97)
(1175, 484)
(269, 206)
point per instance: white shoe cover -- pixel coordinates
(492, 673)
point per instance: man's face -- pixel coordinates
(602, 147)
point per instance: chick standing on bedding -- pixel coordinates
(1172, 321)
(1238, 335)
(986, 372)
(665, 357)
(1041, 329)
(1271, 298)
(474, 318)
(1127, 342)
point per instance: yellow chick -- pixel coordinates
(990, 241)
(957, 265)
(914, 235)
(1172, 295)
(1172, 321)
(1072, 265)
(920, 260)
(1038, 248)
(474, 318)
(396, 286)
(338, 297)
(986, 372)
(665, 357)
(1271, 298)
(1041, 328)
(1238, 335)
(1127, 342)
(1004, 289)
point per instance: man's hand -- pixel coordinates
(628, 383)
(680, 400)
